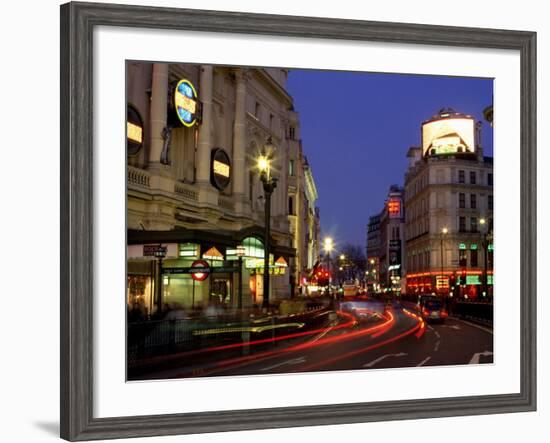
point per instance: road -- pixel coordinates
(395, 337)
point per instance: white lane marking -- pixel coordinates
(455, 327)
(294, 361)
(322, 334)
(379, 359)
(437, 345)
(423, 362)
(475, 358)
(489, 331)
(437, 334)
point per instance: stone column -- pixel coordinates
(159, 104)
(205, 131)
(239, 141)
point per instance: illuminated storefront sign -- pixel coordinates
(185, 101)
(134, 131)
(448, 135)
(473, 280)
(220, 172)
(442, 282)
(394, 208)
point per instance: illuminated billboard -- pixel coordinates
(449, 135)
(394, 208)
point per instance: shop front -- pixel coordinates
(232, 277)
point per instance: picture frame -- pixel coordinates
(78, 21)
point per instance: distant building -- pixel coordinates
(449, 209)
(373, 252)
(392, 221)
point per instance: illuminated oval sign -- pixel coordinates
(200, 270)
(220, 170)
(186, 103)
(134, 131)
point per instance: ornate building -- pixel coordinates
(194, 135)
(449, 210)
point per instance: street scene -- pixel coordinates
(285, 220)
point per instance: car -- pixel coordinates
(350, 290)
(431, 309)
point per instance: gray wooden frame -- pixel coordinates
(77, 24)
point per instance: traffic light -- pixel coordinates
(463, 277)
(323, 277)
(452, 280)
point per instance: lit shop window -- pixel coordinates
(134, 131)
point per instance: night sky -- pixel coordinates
(357, 127)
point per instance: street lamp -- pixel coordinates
(159, 254)
(269, 183)
(328, 245)
(485, 244)
(444, 231)
(240, 253)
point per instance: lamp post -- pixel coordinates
(328, 245)
(240, 254)
(485, 244)
(269, 184)
(444, 231)
(159, 254)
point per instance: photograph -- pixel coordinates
(285, 220)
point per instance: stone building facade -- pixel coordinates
(194, 189)
(449, 211)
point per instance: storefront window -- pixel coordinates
(253, 247)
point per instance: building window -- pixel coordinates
(472, 177)
(473, 201)
(271, 122)
(461, 200)
(490, 179)
(473, 224)
(257, 110)
(291, 168)
(462, 224)
(490, 202)
(290, 205)
(473, 258)
(462, 258)
(291, 132)
(461, 176)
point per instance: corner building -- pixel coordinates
(449, 210)
(194, 134)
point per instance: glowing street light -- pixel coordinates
(269, 184)
(444, 231)
(328, 244)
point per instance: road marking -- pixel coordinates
(475, 358)
(423, 362)
(294, 361)
(455, 327)
(322, 334)
(477, 326)
(437, 345)
(379, 359)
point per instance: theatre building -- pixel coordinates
(449, 210)
(194, 136)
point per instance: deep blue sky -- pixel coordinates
(357, 128)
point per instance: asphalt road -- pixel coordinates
(399, 338)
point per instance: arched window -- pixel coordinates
(253, 247)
